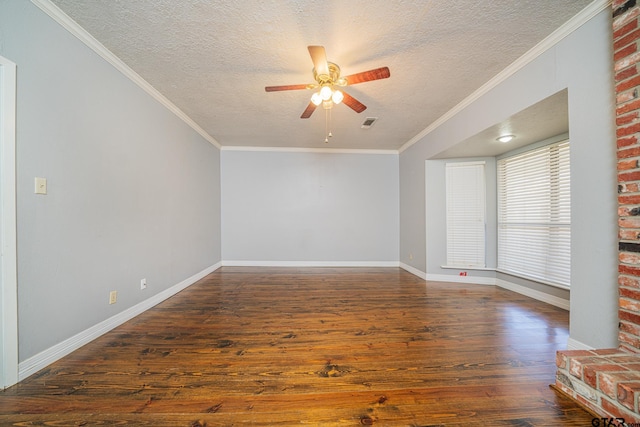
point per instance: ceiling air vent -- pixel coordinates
(368, 122)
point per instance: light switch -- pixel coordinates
(41, 185)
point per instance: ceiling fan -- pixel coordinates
(327, 77)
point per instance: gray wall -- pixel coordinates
(309, 206)
(581, 62)
(133, 191)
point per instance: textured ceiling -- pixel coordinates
(545, 119)
(213, 58)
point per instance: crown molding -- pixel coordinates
(81, 34)
(550, 41)
(308, 150)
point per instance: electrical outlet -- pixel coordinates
(143, 284)
(113, 296)
(411, 256)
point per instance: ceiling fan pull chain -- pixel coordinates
(326, 126)
(330, 135)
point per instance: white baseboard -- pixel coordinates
(577, 345)
(50, 355)
(475, 280)
(231, 263)
(540, 296)
(414, 271)
(523, 290)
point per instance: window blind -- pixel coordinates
(466, 211)
(534, 214)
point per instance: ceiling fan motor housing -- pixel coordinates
(333, 78)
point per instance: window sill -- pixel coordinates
(464, 267)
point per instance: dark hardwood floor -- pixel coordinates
(349, 346)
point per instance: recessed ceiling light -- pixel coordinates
(505, 138)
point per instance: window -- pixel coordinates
(534, 214)
(465, 189)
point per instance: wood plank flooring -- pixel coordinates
(322, 347)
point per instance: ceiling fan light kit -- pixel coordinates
(327, 77)
(337, 97)
(316, 98)
(326, 92)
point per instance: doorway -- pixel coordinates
(8, 248)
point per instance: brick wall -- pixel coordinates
(626, 36)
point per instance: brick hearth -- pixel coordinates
(607, 382)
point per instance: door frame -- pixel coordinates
(8, 227)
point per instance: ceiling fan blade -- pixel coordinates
(353, 103)
(285, 87)
(319, 58)
(367, 76)
(308, 111)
